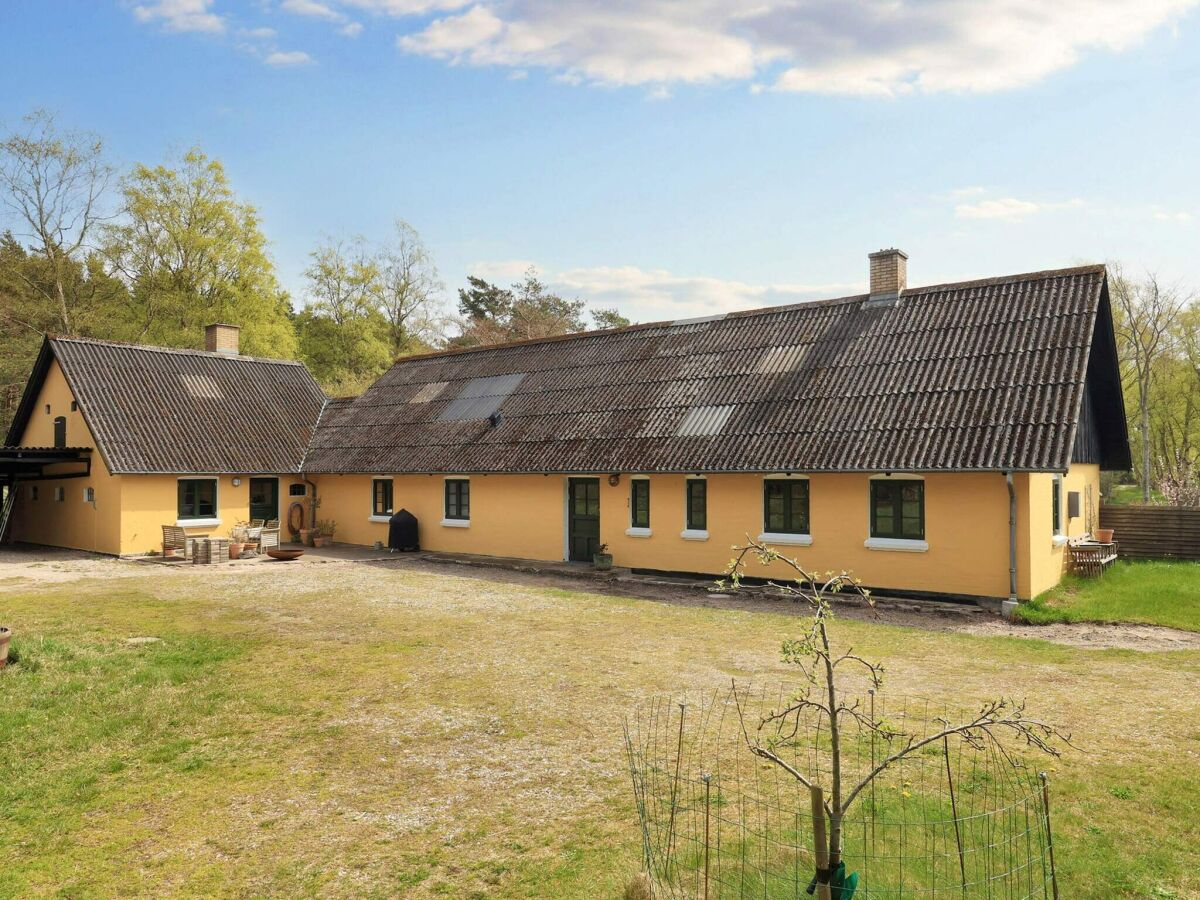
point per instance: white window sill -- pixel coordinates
(691, 534)
(198, 523)
(1060, 540)
(383, 519)
(775, 537)
(902, 544)
(638, 532)
(456, 523)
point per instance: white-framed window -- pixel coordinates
(198, 502)
(381, 499)
(456, 512)
(896, 513)
(60, 494)
(1058, 534)
(786, 510)
(639, 507)
(89, 495)
(695, 509)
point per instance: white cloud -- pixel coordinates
(259, 34)
(1009, 209)
(648, 295)
(874, 47)
(181, 15)
(312, 9)
(287, 58)
(351, 29)
(1178, 217)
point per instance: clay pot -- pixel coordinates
(602, 561)
(235, 550)
(1104, 535)
(5, 637)
(320, 540)
(306, 537)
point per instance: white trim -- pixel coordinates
(278, 493)
(638, 532)
(86, 498)
(694, 534)
(197, 523)
(900, 476)
(903, 544)
(775, 537)
(456, 523)
(382, 519)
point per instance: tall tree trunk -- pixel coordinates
(1144, 427)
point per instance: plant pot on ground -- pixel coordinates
(306, 537)
(235, 549)
(602, 560)
(5, 637)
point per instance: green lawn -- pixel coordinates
(358, 731)
(1129, 495)
(1153, 593)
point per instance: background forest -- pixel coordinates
(153, 254)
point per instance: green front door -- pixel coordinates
(264, 498)
(583, 518)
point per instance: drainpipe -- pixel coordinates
(1012, 537)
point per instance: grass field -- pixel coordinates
(1153, 593)
(349, 730)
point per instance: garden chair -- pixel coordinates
(268, 539)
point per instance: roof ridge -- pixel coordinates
(757, 311)
(178, 351)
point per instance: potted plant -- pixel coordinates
(602, 560)
(323, 532)
(5, 637)
(239, 535)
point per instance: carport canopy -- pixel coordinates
(44, 463)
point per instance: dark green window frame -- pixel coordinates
(785, 506)
(639, 503)
(697, 504)
(458, 498)
(197, 498)
(381, 496)
(1056, 499)
(898, 509)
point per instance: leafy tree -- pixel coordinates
(407, 292)
(526, 311)
(192, 253)
(609, 318)
(344, 337)
(52, 185)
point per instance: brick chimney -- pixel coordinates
(889, 273)
(220, 338)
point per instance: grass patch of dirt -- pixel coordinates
(378, 731)
(1159, 593)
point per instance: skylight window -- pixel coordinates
(704, 420)
(781, 359)
(480, 397)
(429, 392)
(201, 387)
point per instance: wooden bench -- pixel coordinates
(176, 538)
(1090, 559)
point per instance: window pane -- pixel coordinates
(206, 498)
(641, 504)
(697, 514)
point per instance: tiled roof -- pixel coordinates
(181, 412)
(984, 375)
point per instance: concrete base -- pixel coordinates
(1008, 609)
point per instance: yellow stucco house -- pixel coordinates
(934, 440)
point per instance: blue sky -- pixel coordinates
(667, 158)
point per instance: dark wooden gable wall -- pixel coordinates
(1102, 434)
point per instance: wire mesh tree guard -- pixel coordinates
(962, 816)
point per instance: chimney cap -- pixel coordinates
(890, 251)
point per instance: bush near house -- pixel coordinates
(1148, 592)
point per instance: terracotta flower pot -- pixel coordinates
(5, 637)
(320, 540)
(306, 537)
(1104, 535)
(235, 550)
(602, 561)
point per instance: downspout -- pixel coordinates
(1012, 537)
